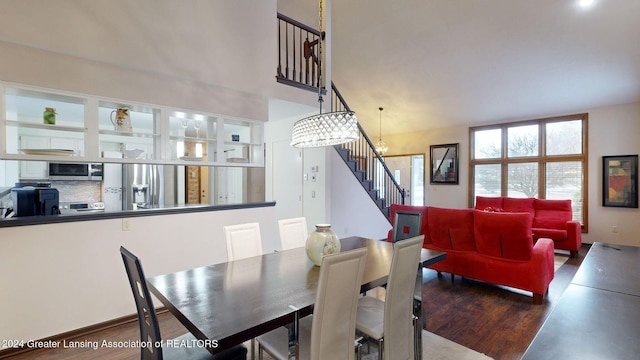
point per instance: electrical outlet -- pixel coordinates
(614, 229)
(126, 224)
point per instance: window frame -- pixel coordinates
(541, 159)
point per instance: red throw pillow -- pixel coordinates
(484, 202)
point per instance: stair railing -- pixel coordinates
(298, 63)
(363, 151)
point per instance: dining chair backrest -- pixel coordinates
(406, 224)
(293, 232)
(147, 319)
(334, 314)
(398, 304)
(243, 241)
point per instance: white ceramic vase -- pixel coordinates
(322, 242)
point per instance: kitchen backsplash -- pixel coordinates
(85, 191)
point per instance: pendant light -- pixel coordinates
(380, 146)
(326, 129)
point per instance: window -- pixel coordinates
(543, 158)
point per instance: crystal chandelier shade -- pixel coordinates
(381, 147)
(326, 129)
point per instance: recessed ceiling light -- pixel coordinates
(586, 3)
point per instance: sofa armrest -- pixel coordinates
(574, 235)
(541, 270)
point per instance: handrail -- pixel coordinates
(365, 153)
(298, 63)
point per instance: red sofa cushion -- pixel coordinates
(553, 234)
(552, 214)
(520, 205)
(452, 228)
(504, 235)
(491, 203)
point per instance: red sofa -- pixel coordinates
(496, 247)
(552, 219)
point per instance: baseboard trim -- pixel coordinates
(6, 353)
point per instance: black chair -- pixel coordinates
(406, 224)
(150, 329)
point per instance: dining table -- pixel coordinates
(228, 303)
(597, 315)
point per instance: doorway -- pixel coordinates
(408, 171)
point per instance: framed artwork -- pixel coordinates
(620, 181)
(444, 164)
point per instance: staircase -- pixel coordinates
(299, 66)
(367, 165)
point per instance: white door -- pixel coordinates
(287, 180)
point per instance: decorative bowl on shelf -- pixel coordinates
(133, 153)
(57, 152)
(191, 158)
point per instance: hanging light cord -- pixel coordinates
(380, 133)
(320, 99)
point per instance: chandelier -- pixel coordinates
(380, 146)
(326, 129)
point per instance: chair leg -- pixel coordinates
(380, 348)
(253, 349)
(417, 331)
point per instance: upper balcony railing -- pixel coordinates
(298, 63)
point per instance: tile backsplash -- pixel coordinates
(69, 191)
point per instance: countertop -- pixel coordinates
(103, 215)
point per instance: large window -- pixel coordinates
(545, 158)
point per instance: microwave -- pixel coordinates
(75, 171)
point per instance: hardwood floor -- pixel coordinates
(490, 319)
(496, 321)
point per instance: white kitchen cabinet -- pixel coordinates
(157, 135)
(34, 169)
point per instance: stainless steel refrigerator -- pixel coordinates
(143, 187)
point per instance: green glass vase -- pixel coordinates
(49, 116)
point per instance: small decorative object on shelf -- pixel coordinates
(322, 242)
(49, 116)
(121, 122)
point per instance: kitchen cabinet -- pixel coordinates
(85, 129)
(39, 169)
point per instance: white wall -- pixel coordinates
(613, 130)
(211, 56)
(352, 210)
(61, 277)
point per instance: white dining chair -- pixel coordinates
(243, 241)
(293, 232)
(330, 332)
(391, 322)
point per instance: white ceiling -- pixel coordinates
(440, 63)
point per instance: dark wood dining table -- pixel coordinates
(229, 303)
(597, 315)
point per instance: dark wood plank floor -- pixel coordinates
(492, 320)
(496, 321)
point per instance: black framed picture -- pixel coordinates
(620, 181)
(444, 164)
